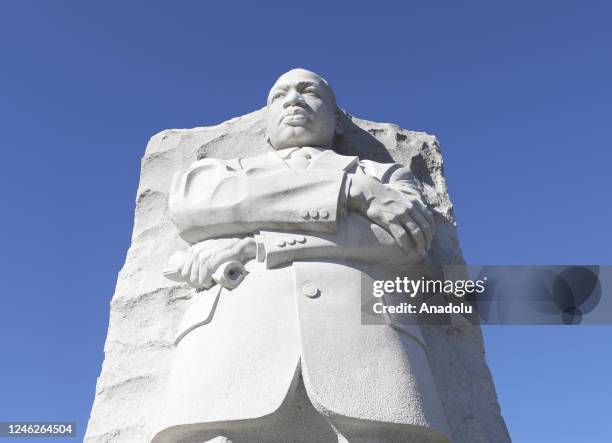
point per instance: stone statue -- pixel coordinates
(272, 348)
(283, 219)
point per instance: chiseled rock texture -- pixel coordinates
(146, 308)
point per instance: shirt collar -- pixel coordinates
(286, 153)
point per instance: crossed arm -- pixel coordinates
(285, 215)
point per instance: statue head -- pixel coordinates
(302, 111)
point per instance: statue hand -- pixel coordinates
(205, 257)
(405, 217)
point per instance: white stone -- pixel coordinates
(183, 366)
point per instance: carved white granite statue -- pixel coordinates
(264, 361)
(283, 356)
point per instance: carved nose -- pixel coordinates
(294, 99)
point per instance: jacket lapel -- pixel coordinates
(265, 162)
(329, 159)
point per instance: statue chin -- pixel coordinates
(293, 136)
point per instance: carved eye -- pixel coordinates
(277, 95)
(311, 91)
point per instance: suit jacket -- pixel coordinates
(299, 308)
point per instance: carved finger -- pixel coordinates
(204, 280)
(424, 225)
(195, 272)
(186, 267)
(417, 235)
(426, 212)
(401, 236)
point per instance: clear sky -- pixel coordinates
(519, 94)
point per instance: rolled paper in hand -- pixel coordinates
(229, 274)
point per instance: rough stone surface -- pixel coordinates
(146, 309)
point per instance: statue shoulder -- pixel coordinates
(246, 164)
(381, 171)
(210, 162)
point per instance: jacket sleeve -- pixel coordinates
(393, 175)
(356, 238)
(213, 199)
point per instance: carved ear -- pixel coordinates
(339, 122)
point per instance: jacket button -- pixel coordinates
(280, 243)
(291, 241)
(301, 239)
(324, 213)
(310, 290)
(304, 213)
(313, 213)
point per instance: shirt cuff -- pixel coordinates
(261, 249)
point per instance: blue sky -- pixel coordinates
(518, 93)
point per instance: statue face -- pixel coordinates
(301, 111)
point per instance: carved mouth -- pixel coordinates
(295, 116)
(294, 119)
